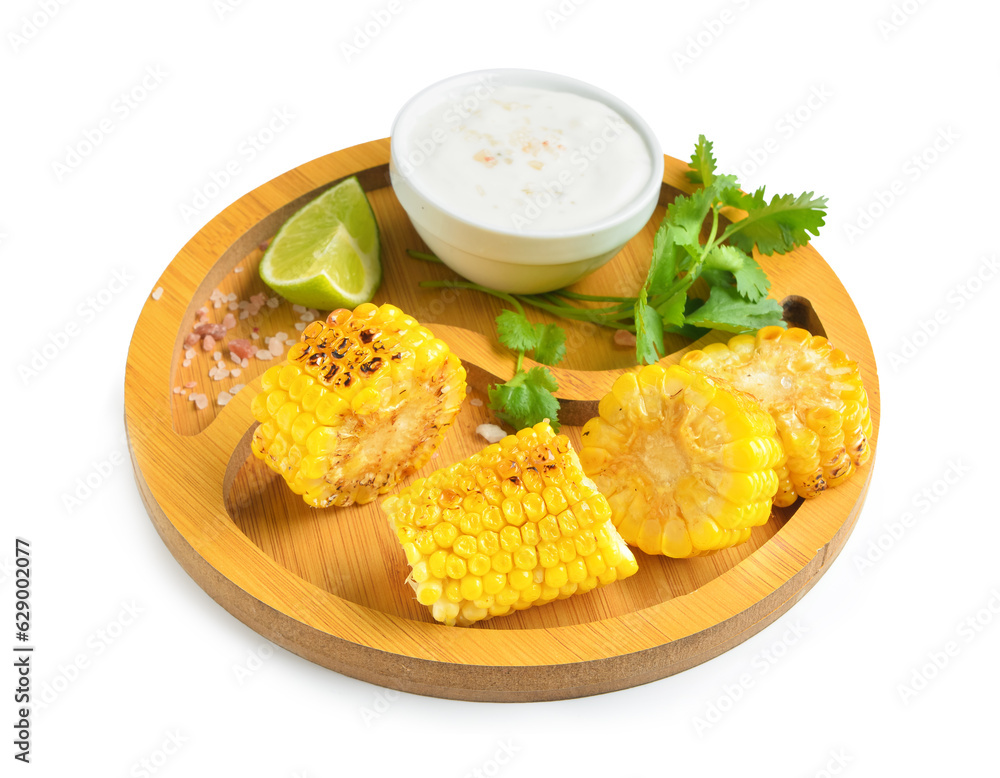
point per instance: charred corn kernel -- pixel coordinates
(687, 463)
(516, 525)
(815, 394)
(370, 392)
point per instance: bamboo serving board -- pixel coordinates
(329, 584)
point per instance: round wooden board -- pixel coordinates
(329, 584)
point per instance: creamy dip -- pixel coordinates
(527, 160)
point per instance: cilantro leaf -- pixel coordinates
(516, 332)
(671, 310)
(726, 258)
(751, 280)
(702, 163)
(648, 331)
(663, 265)
(778, 226)
(685, 216)
(526, 399)
(551, 347)
(726, 310)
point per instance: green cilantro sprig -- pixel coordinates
(737, 285)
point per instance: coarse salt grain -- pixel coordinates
(491, 432)
(157, 293)
(233, 306)
(235, 388)
(177, 390)
(246, 362)
(300, 325)
(190, 384)
(223, 398)
(186, 363)
(229, 321)
(235, 372)
(624, 338)
(307, 317)
(476, 402)
(277, 347)
(299, 308)
(290, 342)
(264, 355)
(281, 335)
(201, 402)
(237, 270)
(274, 302)
(208, 344)
(217, 356)
(190, 354)
(244, 314)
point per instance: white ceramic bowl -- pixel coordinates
(509, 260)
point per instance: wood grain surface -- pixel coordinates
(328, 584)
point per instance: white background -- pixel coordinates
(893, 80)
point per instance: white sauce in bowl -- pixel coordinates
(526, 160)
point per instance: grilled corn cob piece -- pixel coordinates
(360, 402)
(516, 525)
(686, 462)
(815, 394)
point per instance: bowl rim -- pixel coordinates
(542, 79)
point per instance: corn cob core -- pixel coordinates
(360, 402)
(815, 394)
(686, 462)
(516, 525)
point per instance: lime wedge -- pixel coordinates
(326, 255)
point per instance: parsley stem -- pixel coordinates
(424, 257)
(595, 298)
(520, 359)
(448, 284)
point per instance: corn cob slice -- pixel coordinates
(360, 402)
(516, 525)
(815, 394)
(686, 462)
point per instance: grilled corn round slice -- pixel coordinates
(516, 525)
(686, 462)
(361, 401)
(815, 394)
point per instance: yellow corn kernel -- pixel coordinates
(664, 476)
(514, 526)
(814, 393)
(356, 366)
